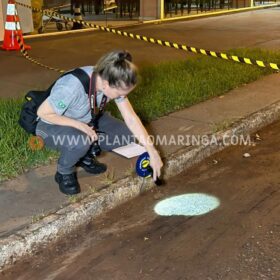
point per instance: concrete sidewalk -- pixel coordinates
(34, 194)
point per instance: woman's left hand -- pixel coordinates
(156, 163)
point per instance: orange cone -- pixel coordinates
(12, 29)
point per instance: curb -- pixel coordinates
(49, 229)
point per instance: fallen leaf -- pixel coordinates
(258, 137)
(246, 155)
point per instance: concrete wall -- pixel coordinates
(150, 9)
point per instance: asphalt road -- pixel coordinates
(239, 239)
(251, 29)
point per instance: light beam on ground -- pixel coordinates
(193, 204)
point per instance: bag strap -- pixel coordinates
(82, 76)
(93, 101)
(78, 73)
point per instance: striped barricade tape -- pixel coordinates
(25, 53)
(186, 48)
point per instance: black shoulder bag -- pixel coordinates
(33, 99)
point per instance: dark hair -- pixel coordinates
(117, 68)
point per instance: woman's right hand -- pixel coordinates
(88, 130)
(47, 113)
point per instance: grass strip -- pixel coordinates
(164, 88)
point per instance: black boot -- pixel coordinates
(68, 183)
(91, 165)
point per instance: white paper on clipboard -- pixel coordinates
(131, 150)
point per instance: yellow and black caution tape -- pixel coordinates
(26, 55)
(221, 55)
